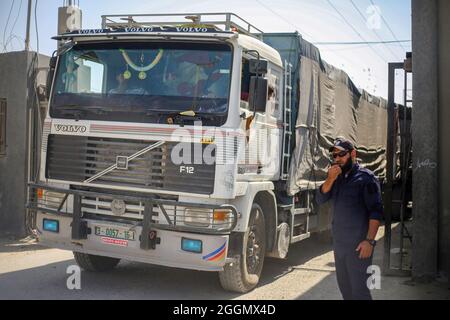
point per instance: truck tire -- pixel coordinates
(243, 274)
(90, 262)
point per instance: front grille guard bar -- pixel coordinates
(79, 226)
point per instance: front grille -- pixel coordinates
(162, 214)
(134, 209)
(75, 158)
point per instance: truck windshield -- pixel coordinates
(143, 82)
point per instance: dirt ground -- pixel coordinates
(31, 271)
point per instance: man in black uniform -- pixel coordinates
(357, 212)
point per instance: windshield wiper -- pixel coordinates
(77, 114)
(71, 111)
(179, 117)
(94, 109)
(77, 111)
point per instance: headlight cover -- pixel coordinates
(198, 217)
(202, 217)
(50, 199)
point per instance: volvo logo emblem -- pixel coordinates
(118, 207)
(70, 128)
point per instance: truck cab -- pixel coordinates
(163, 143)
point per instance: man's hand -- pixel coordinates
(334, 172)
(365, 250)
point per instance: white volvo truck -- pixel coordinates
(169, 143)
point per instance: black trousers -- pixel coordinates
(351, 273)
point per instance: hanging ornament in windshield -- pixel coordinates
(141, 69)
(127, 74)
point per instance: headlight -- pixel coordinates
(200, 217)
(50, 199)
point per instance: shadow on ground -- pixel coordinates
(22, 245)
(392, 287)
(131, 280)
(299, 254)
(36, 276)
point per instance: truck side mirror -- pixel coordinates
(258, 94)
(258, 66)
(50, 75)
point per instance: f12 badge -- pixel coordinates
(187, 169)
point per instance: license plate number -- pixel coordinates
(116, 233)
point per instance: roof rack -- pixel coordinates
(225, 21)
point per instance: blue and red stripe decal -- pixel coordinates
(217, 254)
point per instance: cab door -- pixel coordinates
(263, 129)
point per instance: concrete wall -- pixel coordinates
(15, 73)
(425, 138)
(431, 138)
(444, 134)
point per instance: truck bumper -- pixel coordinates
(156, 241)
(167, 252)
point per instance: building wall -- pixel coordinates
(444, 134)
(15, 74)
(425, 139)
(431, 138)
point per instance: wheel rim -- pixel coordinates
(253, 249)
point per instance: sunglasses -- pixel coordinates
(339, 154)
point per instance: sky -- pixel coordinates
(319, 21)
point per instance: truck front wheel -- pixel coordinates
(90, 262)
(243, 274)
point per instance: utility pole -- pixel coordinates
(27, 37)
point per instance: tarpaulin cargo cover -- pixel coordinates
(326, 104)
